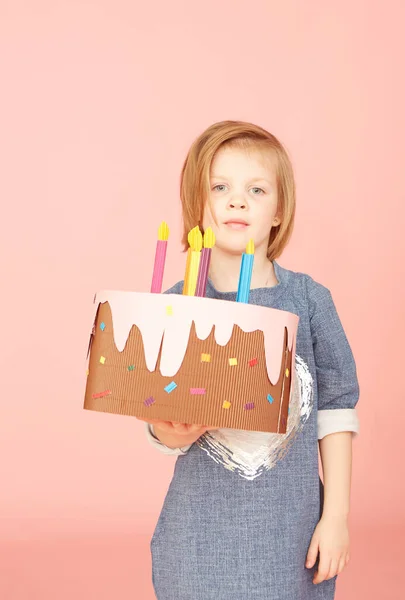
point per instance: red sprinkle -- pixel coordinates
(102, 394)
(253, 362)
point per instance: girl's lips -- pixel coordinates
(236, 225)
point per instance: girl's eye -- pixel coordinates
(221, 187)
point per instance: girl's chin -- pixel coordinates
(232, 246)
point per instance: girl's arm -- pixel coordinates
(338, 425)
(336, 457)
(331, 539)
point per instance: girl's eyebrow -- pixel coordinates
(259, 179)
(250, 181)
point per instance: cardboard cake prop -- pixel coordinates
(191, 359)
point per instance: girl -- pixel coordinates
(246, 516)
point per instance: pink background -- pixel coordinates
(99, 104)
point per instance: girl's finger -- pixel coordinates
(152, 421)
(323, 570)
(333, 569)
(312, 553)
(342, 564)
(177, 426)
(193, 428)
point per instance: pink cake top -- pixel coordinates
(173, 315)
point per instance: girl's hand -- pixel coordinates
(331, 540)
(172, 427)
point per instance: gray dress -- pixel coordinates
(241, 508)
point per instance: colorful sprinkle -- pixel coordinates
(102, 394)
(288, 410)
(169, 388)
(205, 357)
(249, 405)
(287, 372)
(233, 362)
(197, 391)
(131, 367)
(87, 372)
(102, 359)
(169, 311)
(226, 404)
(149, 401)
(270, 398)
(102, 326)
(253, 362)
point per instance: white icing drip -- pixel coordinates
(148, 312)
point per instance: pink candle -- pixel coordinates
(160, 258)
(209, 241)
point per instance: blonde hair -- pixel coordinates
(195, 177)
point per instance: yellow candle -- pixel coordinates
(187, 271)
(193, 261)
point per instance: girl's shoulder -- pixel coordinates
(298, 285)
(304, 287)
(177, 288)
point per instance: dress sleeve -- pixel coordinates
(150, 434)
(338, 387)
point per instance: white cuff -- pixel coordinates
(150, 434)
(337, 419)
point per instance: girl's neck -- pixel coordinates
(225, 268)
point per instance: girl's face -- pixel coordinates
(243, 193)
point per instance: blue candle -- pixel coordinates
(245, 275)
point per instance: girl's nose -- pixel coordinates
(237, 202)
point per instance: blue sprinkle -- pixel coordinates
(270, 399)
(169, 388)
(288, 410)
(102, 326)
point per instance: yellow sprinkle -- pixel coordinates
(163, 232)
(102, 359)
(169, 310)
(226, 404)
(233, 362)
(287, 372)
(250, 248)
(205, 357)
(87, 372)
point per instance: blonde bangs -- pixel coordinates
(195, 177)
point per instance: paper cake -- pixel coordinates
(192, 360)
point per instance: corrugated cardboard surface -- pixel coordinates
(127, 383)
